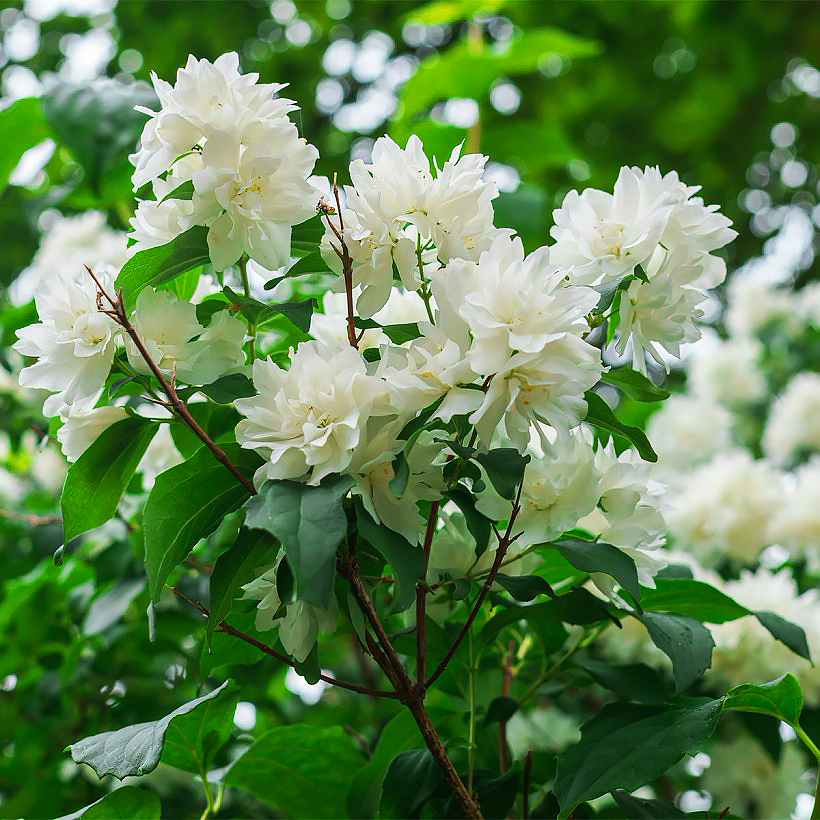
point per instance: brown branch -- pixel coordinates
(525, 813)
(504, 542)
(120, 316)
(227, 629)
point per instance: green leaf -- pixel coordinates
(193, 739)
(594, 556)
(399, 735)
(97, 122)
(505, 469)
(109, 607)
(634, 681)
(601, 416)
(96, 481)
(155, 266)
(781, 698)
(183, 191)
(442, 12)
(685, 641)
(410, 781)
(478, 524)
(298, 313)
(187, 503)
(627, 745)
(228, 388)
(126, 803)
(406, 559)
(524, 587)
(397, 333)
(683, 596)
(401, 475)
(134, 750)
(300, 770)
(237, 566)
(786, 632)
(310, 523)
(500, 709)
(634, 385)
(639, 808)
(21, 128)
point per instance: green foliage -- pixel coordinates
(310, 524)
(600, 415)
(287, 768)
(594, 556)
(96, 481)
(21, 128)
(126, 803)
(136, 750)
(298, 313)
(410, 781)
(186, 504)
(782, 699)
(634, 385)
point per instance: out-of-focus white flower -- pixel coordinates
(689, 430)
(753, 303)
(807, 304)
(722, 509)
(66, 248)
(728, 371)
(796, 524)
(83, 426)
(398, 213)
(602, 237)
(310, 418)
(74, 342)
(793, 425)
(745, 650)
(301, 622)
(744, 775)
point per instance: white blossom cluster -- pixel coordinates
(500, 344)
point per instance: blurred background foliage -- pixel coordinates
(558, 94)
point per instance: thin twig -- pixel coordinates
(421, 598)
(227, 629)
(504, 542)
(120, 316)
(526, 793)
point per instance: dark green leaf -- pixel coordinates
(639, 808)
(626, 746)
(156, 266)
(782, 699)
(634, 681)
(634, 384)
(21, 128)
(683, 596)
(401, 475)
(594, 556)
(397, 333)
(134, 750)
(183, 191)
(786, 632)
(126, 803)
(312, 263)
(96, 481)
(406, 559)
(524, 587)
(298, 313)
(300, 770)
(601, 416)
(685, 641)
(505, 469)
(310, 523)
(237, 566)
(187, 503)
(500, 709)
(410, 781)
(228, 388)
(478, 524)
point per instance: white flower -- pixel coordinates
(207, 98)
(793, 425)
(66, 248)
(746, 652)
(722, 509)
(217, 352)
(74, 342)
(796, 524)
(602, 237)
(83, 426)
(689, 430)
(398, 212)
(728, 371)
(753, 303)
(160, 456)
(310, 418)
(251, 196)
(301, 622)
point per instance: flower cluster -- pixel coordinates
(227, 142)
